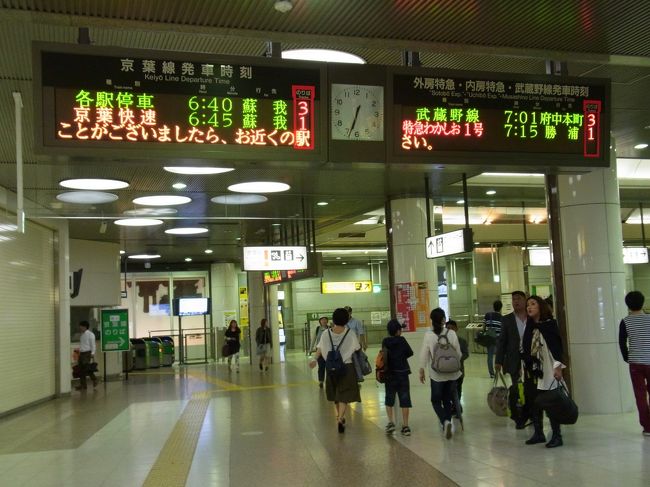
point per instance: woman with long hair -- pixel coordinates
(542, 355)
(442, 383)
(233, 337)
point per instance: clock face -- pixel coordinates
(357, 112)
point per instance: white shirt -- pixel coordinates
(350, 344)
(426, 353)
(521, 327)
(87, 342)
(548, 382)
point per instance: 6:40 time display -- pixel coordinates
(213, 111)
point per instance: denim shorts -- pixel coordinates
(398, 384)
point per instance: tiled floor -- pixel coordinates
(276, 428)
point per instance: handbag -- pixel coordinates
(225, 350)
(261, 348)
(497, 398)
(361, 364)
(486, 337)
(558, 404)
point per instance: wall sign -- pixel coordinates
(145, 98)
(449, 243)
(275, 258)
(342, 287)
(482, 114)
(115, 330)
(412, 303)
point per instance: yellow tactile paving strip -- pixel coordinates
(173, 464)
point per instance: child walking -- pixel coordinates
(397, 351)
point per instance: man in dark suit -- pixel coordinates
(508, 356)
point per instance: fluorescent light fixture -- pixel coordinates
(138, 222)
(239, 199)
(474, 280)
(322, 203)
(145, 256)
(259, 187)
(122, 252)
(496, 278)
(86, 197)
(280, 295)
(454, 286)
(276, 224)
(460, 202)
(151, 212)
(352, 251)
(338, 258)
(344, 263)
(641, 146)
(8, 227)
(539, 256)
(513, 174)
(490, 192)
(208, 251)
(94, 184)
(162, 200)
(323, 55)
(179, 185)
(186, 230)
(197, 170)
(188, 259)
(369, 221)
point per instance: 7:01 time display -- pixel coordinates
(543, 125)
(213, 111)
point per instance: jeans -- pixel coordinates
(640, 375)
(491, 351)
(441, 398)
(321, 369)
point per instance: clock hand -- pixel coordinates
(354, 122)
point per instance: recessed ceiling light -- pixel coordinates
(338, 258)
(144, 256)
(322, 203)
(122, 252)
(490, 192)
(151, 212)
(208, 251)
(186, 230)
(162, 200)
(94, 184)
(460, 202)
(323, 55)
(86, 197)
(276, 224)
(344, 263)
(138, 222)
(239, 199)
(188, 259)
(179, 185)
(259, 187)
(238, 238)
(197, 170)
(640, 146)
(283, 6)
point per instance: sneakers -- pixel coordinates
(390, 428)
(447, 428)
(406, 431)
(646, 433)
(261, 368)
(341, 426)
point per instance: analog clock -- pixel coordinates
(357, 112)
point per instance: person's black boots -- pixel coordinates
(556, 438)
(538, 435)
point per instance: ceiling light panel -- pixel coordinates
(138, 222)
(198, 170)
(94, 184)
(186, 230)
(162, 200)
(86, 197)
(323, 55)
(239, 199)
(144, 256)
(259, 187)
(151, 212)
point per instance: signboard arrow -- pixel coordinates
(300, 257)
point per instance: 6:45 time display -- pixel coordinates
(213, 111)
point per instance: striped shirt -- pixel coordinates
(634, 331)
(493, 320)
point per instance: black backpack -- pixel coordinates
(334, 361)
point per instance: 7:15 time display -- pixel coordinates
(213, 111)
(543, 125)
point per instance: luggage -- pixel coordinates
(361, 364)
(486, 338)
(558, 404)
(497, 398)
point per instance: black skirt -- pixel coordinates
(344, 388)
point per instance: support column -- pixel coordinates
(594, 283)
(511, 269)
(274, 322)
(257, 308)
(407, 231)
(224, 293)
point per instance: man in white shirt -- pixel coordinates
(357, 327)
(86, 355)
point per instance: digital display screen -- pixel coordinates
(485, 113)
(193, 306)
(314, 269)
(124, 101)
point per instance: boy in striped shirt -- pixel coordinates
(634, 332)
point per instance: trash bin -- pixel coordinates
(168, 351)
(140, 354)
(155, 352)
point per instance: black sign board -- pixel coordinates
(472, 116)
(314, 269)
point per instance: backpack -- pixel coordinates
(381, 365)
(334, 364)
(444, 359)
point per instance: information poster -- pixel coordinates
(243, 306)
(412, 301)
(115, 330)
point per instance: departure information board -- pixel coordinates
(145, 99)
(485, 114)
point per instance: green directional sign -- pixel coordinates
(115, 330)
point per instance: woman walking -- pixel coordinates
(263, 341)
(344, 388)
(322, 326)
(442, 382)
(233, 338)
(542, 347)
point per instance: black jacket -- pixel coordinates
(551, 333)
(398, 351)
(508, 346)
